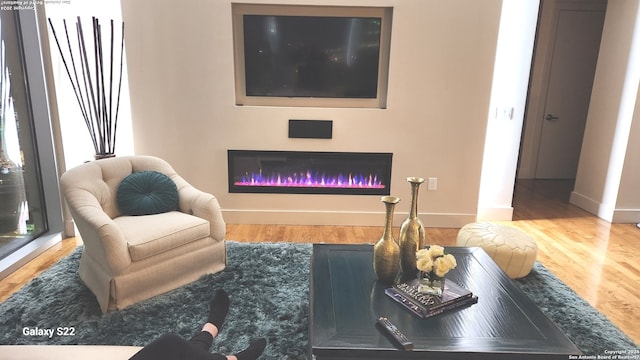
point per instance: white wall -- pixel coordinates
(600, 186)
(506, 114)
(628, 203)
(442, 58)
(435, 122)
(627, 209)
(184, 87)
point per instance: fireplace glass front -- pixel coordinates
(304, 172)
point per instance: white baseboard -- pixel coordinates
(585, 203)
(626, 216)
(616, 216)
(69, 228)
(291, 217)
(495, 214)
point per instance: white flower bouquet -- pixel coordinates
(433, 259)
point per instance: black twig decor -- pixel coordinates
(92, 79)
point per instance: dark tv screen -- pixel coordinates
(311, 56)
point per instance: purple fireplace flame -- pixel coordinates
(311, 180)
(309, 172)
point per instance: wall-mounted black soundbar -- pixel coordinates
(310, 129)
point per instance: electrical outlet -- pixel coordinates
(432, 184)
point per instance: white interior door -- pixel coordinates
(575, 54)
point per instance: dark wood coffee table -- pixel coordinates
(346, 300)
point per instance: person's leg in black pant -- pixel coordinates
(173, 347)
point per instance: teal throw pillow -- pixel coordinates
(147, 193)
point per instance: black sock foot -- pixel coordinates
(253, 351)
(218, 308)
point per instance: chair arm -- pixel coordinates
(102, 238)
(205, 206)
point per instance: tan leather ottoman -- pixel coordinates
(513, 250)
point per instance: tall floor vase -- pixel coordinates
(411, 236)
(386, 252)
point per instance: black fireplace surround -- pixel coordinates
(308, 172)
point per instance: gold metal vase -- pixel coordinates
(411, 236)
(386, 252)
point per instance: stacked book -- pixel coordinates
(453, 296)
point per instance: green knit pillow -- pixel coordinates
(147, 193)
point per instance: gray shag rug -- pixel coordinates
(268, 285)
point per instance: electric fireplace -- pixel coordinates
(305, 172)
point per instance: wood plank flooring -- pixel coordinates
(598, 260)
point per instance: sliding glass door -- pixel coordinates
(20, 185)
(29, 196)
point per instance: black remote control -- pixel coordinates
(394, 333)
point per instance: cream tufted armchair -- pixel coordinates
(127, 259)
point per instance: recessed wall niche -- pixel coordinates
(305, 172)
(320, 56)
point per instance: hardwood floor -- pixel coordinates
(598, 260)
